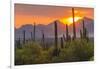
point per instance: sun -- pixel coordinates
(69, 20)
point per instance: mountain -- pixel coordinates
(49, 29)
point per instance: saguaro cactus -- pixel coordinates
(19, 43)
(31, 36)
(67, 33)
(43, 39)
(56, 35)
(56, 51)
(84, 33)
(62, 44)
(34, 32)
(84, 30)
(74, 28)
(83, 26)
(24, 36)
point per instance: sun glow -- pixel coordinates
(69, 20)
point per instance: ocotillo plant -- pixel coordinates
(74, 28)
(24, 36)
(34, 32)
(67, 33)
(62, 44)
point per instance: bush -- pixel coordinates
(75, 50)
(83, 50)
(29, 54)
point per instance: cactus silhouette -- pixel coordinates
(56, 51)
(62, 44)
(24, 36)
(56, 34)
(84, 31)
(18, 43)
(67, 33)
(34, 32)
(31, 36)
(81, 34)
(43, 39)
(74, 28)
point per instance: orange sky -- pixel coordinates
(28, 14)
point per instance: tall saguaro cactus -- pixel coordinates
(31, 36)
(56, 51)
(34, 32)
(74, 28)
(24, 36)
(84, 33)
(43, 39)
(56, 34)
(67, 33)
(84, 30)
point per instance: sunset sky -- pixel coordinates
(40, 14)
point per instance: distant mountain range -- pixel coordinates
(49, 29)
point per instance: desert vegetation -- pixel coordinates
(63, 49)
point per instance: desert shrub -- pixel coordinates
(82, 49)
(29, 54)
(75, 50)
(65, 55)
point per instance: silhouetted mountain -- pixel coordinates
(49, 29)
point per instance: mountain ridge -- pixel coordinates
(49, 29)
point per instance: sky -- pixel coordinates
(44, 14)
